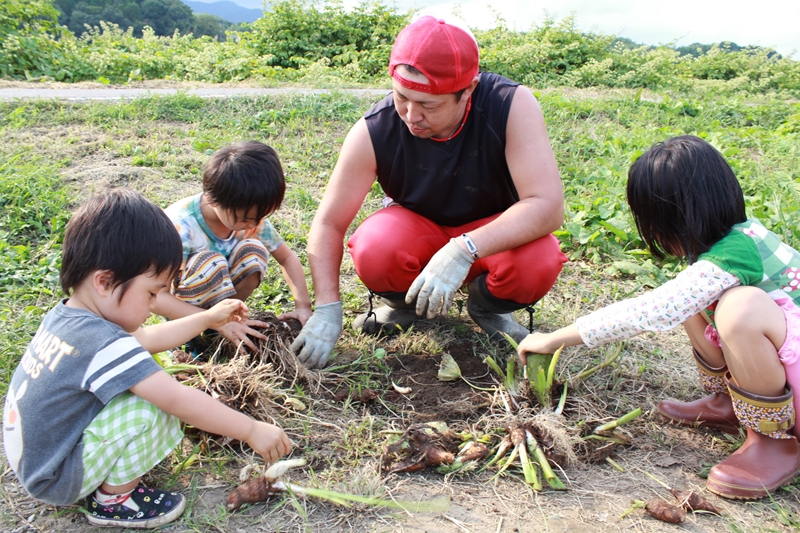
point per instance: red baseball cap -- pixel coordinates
(446, 54)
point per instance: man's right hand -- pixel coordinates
(315, 343)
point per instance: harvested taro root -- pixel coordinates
(692, 501)
(259, 489)
(365, 396)
(254, 490)
(664, 511)
(419, 447)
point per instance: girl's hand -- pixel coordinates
(301, 314)
(269, 441)
(229, 310)
(535, 343)
(548, 342)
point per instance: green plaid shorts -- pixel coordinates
(125, 440)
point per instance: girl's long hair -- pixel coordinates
(684, 197)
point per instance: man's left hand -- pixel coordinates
(436, 286)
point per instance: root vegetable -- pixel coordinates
(692, 501)
(252, 491)
(420, 447)
(666, 512)
(473, 451)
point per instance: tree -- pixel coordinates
(211, 25)
(165, 16)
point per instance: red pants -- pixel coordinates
(392, 246)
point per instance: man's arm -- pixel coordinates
(349, 184)
(533, 168)
(295, 277)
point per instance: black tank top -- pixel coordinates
(453, 182)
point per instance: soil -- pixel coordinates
(431, 399)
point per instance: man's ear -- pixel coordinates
(101, 281)
(470, 88)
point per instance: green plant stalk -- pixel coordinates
(536, 365)
(617, 440)
(496, 368)
(538, 454)
(551, 371)
(511, 457)
(528, 468)
(608, 360)
(511, 341)
(438, 505)
(510, 382)
(616, 465)
(562, 401)
(501, 450)
(174, 369)
(624, 419)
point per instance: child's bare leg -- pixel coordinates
(119, 489)
(246, 286)
(715, 410)
(695, 329)
(752, 328)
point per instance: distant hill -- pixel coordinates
(226, 10)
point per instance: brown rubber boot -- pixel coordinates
(714, 411)
(769, 458)
(393, 317)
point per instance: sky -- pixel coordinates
(769, 23)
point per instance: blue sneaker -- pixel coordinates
(145, 508)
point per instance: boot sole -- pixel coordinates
(740, 492)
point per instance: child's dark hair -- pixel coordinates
(122, 232)
(243, 176)
(684, 197)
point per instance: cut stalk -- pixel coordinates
(610, 359)
(538, 454)
(438, 505)
(624, 419)
(502, 448)
(511, 457)
(528, 467)
(496, 368)
(562, 401)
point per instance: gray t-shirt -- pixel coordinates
(76, 363)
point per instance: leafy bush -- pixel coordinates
(323, 43)
(296, 33)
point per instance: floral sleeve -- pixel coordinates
(662, 309)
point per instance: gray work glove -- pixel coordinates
(319, 335)
(436, 286)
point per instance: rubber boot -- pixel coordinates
(393, 317)
(492, 314)
(714, 411)
(769, 458)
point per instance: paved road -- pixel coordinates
(128, 93)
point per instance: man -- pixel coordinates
(473, 194)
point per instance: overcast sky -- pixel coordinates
(770, 23)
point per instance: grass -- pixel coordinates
(55, 154)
